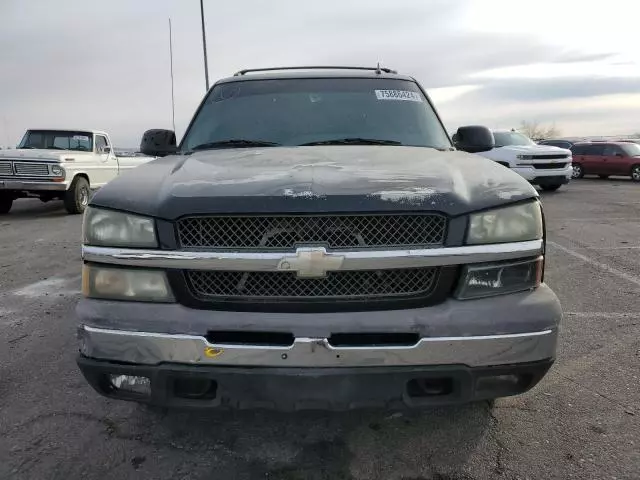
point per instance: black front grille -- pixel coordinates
(332, 231)
(283, 286)
(548, 166)
(555, 156)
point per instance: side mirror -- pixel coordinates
(158, 143)
(474, 139)
(106, 149)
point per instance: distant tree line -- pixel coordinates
(537, 131)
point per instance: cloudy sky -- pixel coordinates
(105, 64)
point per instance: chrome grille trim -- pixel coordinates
(350, 285)
(32, 169)
(6, 169)
(336, 232)
(353, 260)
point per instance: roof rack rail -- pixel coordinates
(379, 70)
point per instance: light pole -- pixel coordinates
(173, 102)
(204, 46)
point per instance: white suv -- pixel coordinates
(543, 165)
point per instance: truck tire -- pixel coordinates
(5, 204)
(551, 187)
(578, 171)
(76, 198)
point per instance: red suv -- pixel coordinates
(606, 158)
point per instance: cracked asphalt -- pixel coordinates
(582, 421)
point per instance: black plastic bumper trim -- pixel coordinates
(336, 389)
(559, 179)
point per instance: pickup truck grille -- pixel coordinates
(5, 168)
(32, 169)
(267, 233)
(548, 166)
(283, 286)
(554, 156)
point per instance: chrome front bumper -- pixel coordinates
(33, 185)
(158, 348)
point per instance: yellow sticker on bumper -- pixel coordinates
(213, 352)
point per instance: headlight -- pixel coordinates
(57, 170)
(122, 284)
(523, 157)
(485, 280)
(116, 229)
(518, 223)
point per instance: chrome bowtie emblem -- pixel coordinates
(311, 262)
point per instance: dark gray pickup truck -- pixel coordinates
(316, 241)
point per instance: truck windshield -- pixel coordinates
(58, 140)
(505, 139)
(326, 111)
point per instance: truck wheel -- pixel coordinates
(76, 198)
(551, 187)
(578, 172)
(5, 204)
(635, 173)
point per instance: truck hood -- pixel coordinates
(29, 154)
(534, 149)
(314, 179)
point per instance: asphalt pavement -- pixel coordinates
(582, 421)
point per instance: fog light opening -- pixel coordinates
(505, 384)
(130, 384)
(195, 388)
(430, 387)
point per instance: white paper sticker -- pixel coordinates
(402, 95)
(83, 138)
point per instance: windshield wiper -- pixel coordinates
(352, 141)
(233, 143)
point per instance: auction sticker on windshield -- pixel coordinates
(398, 95)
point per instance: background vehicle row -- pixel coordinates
(606, 158)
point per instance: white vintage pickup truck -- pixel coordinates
(60, 165)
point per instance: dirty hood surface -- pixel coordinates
(314, 179)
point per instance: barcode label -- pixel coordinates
(402, 95)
